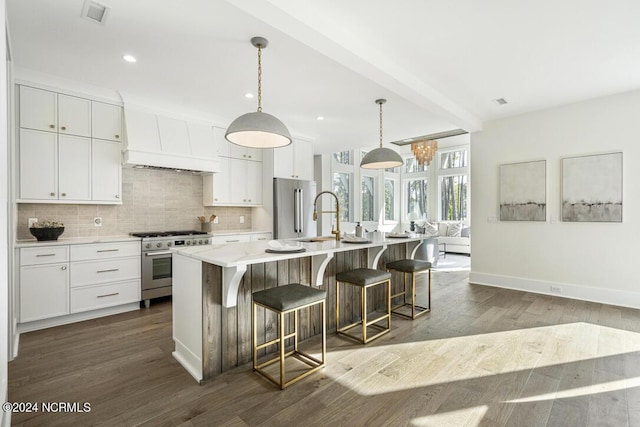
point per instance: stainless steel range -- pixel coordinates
(156, 259)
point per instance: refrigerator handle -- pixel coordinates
(295, 210)
(300, 213)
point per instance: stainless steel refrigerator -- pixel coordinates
(293, 208)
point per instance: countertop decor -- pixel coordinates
(46, 230)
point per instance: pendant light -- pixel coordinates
(381, 158)
(258, 129)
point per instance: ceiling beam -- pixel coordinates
(301, 21)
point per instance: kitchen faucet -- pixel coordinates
(337, 212)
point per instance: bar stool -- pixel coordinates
(364, 278)
(284, 300)
(412, 267)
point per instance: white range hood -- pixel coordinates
(160, 141)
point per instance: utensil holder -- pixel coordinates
(206, 226)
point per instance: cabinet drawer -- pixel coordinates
(260, 236)
(44, 255)
(95, 251)
(111, 270)
(217, 240)
(94, 297)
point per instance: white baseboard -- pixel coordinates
(568, 290)
(76, 317)
(189, 361)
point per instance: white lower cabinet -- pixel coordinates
(44, 291)
(59, 281)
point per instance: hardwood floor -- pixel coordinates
(483, 356)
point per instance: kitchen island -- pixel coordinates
(212, 287)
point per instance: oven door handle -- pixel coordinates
(157, 253)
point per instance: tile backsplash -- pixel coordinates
(152, 200)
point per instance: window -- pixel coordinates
(342, 157)
(454, 159)
(453, 178)
(411, 165)
(417, 196)
(341, 186)
(453, 198)
(389, 199)
(368, 199)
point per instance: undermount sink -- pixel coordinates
(318, 239)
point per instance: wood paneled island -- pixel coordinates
(212, 287)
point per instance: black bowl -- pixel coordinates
(43, 234)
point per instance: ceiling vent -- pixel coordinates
(500, 101)
(94, 11)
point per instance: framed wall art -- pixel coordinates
(523, 195)
(592, 188)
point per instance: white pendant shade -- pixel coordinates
(258, 130)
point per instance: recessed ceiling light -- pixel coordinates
(500, 101)
(129, 58)
(248, 95)
(320, 118)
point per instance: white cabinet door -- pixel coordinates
(254, 183)
(222, 183)
(244, 153)
(106, 170)
(74, 115)
(303, 160)
(283, 162)
(106, 121)
(74, 168)
(202, 141)
(220, 143)
(44, 291)
(238, 180)
(38, 109)
(174, 136)
(260, 236)
(38, 165)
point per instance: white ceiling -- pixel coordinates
(440, 64)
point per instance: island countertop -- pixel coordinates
(246, 253)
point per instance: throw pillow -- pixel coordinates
(430, 229)
(442, 229)
(466, 232)
(455, 228)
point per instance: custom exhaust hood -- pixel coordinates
(163, 142)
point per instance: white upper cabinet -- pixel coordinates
(74, 116)
(106, 171)
(174, 136)
(244, 153)
(38, 165)
(220, 143)
(106, 121)
(38, 109)
(74, 168)
(60, 156)
(295, 161)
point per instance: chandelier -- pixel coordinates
(424, 151)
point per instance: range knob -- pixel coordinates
(206, 242)
(148, 245)
(188, 242)
(159, 245)
(199, 242)
(169, 243)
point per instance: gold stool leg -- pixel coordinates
(337, 306)
(254, 334)
(282, 370)
(363, 312)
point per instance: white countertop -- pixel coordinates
(235, 232)
(236, 254)
(74, 241)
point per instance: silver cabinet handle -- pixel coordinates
(108, 271)
(64, 194)
(231, 241)
(262, 238)
(64, 267)
(108, 250)
(46, 255)
(63, 128)
(157, 253)
(52, 126)
(117, 136)
(117, 196)
(52, 194)
(109, 295)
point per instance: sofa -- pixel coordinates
(456, 235)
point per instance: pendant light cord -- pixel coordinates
(259, 78)
(380, 125)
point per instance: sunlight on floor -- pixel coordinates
(452, 418)
(404, 366)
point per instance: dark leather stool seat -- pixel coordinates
(284, 300)
(410, 267)
(365, 278)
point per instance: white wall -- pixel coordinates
(591, 261)
(5, 417)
